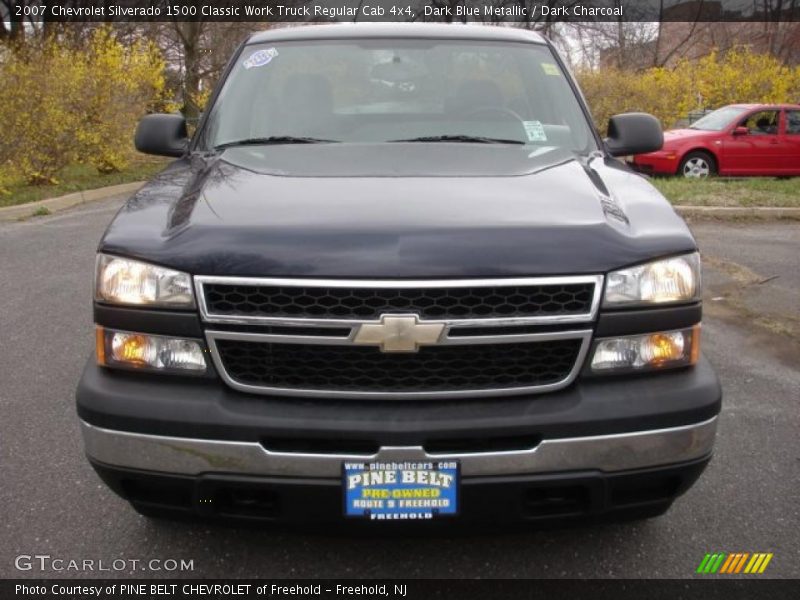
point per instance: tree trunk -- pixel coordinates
(190, 34)
(11, 30)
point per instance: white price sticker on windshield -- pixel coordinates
(550, 69)
(260, 58)
(535, 131)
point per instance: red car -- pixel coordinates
(739, 139)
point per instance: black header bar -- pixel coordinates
(466, 11)
(745, 587)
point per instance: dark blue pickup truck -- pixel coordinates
(396, 275)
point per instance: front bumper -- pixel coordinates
(599, 447)
(194, 457)
(553, 497)
(657, 163)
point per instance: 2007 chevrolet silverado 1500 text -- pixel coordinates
(396, 275)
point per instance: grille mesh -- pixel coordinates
(370, 303)
(365, 369)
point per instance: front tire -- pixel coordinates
(697, 165)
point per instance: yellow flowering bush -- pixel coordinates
(199, 100)
(39, 93)
(739, 76)
(4, 191)
(124, 83)
(60, 105)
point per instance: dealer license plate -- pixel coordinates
(392, 491)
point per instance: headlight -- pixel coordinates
(647, 352)
(674, 279)
(149, 352)
(125, 281)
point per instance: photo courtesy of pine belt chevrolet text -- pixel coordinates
(396, 274)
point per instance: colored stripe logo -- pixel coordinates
(732, 563)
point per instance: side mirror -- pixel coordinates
(741, 130)
(162, 135)
(633, 133)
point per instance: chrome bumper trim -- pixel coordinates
(608, 453)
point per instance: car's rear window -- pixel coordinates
(364, 91)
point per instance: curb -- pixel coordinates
(23, 211)
(733, 213)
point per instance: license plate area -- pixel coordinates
(401, 490)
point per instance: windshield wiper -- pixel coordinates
(461, 138)
(273, 140)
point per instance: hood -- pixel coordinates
(396, 210)
(680, 135)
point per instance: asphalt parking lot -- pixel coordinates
(53, 503)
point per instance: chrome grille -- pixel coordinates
(300, 337)
(333, 301)
(370, 303)
(433, 369)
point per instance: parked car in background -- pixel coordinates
(739, 139)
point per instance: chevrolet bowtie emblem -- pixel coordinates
(401, 333)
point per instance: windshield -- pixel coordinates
(375, 91)
(719, 119)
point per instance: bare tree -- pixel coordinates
(5, 17)
(12, 28)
